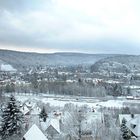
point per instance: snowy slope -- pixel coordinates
(6, 67)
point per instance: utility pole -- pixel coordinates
(79, 121)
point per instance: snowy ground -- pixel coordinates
(60, 101)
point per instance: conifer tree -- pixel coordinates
(124, 130)
(12, 119)
(43, 115)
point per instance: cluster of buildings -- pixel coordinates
(37, 129)
(52, 128)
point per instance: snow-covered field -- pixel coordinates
(61, 101)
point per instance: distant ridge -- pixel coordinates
(20, 59)
(67, 53)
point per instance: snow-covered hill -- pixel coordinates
(118, 64)
(20, 59)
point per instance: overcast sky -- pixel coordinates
(90, 26)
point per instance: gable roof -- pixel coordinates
(34, 133)
(127, 117)
(51, 122)
(55, 123)
(24, 109)
(134, 126)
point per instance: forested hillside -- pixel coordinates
(21, 59)
(119, 64)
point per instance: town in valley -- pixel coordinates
(98, 101)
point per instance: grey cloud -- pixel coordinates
(11, 35)
(12, 5)
(22, 5)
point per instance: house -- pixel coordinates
(34, 133)
(51, 127)
(132, 123)
(25, 110)
(30, 108)
(134, 126)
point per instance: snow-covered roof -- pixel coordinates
(127, 117)
(24, 109)
(134, 125)
(55, 123)
(51, 122)
(34, 133)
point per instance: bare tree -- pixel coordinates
(72, 123)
